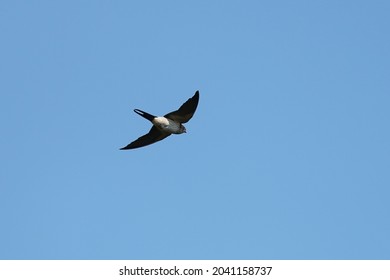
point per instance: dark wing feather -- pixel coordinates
(151, 137)
(186, 111)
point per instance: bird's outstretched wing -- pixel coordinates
(186, 111)
(151, 137)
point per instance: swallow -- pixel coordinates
(171, 123)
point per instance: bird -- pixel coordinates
(171, 123)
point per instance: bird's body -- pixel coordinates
(168, 125)
(164, 126)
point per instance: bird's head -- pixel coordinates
(182, 129)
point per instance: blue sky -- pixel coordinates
(287, 156)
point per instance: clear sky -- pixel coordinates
(287, 156)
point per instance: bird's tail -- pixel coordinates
(144, 114)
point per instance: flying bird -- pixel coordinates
(171, 123)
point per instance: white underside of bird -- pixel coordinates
(168, 125)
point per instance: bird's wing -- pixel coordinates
(186, 111)
(151, 137)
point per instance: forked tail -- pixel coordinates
(144, 114)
